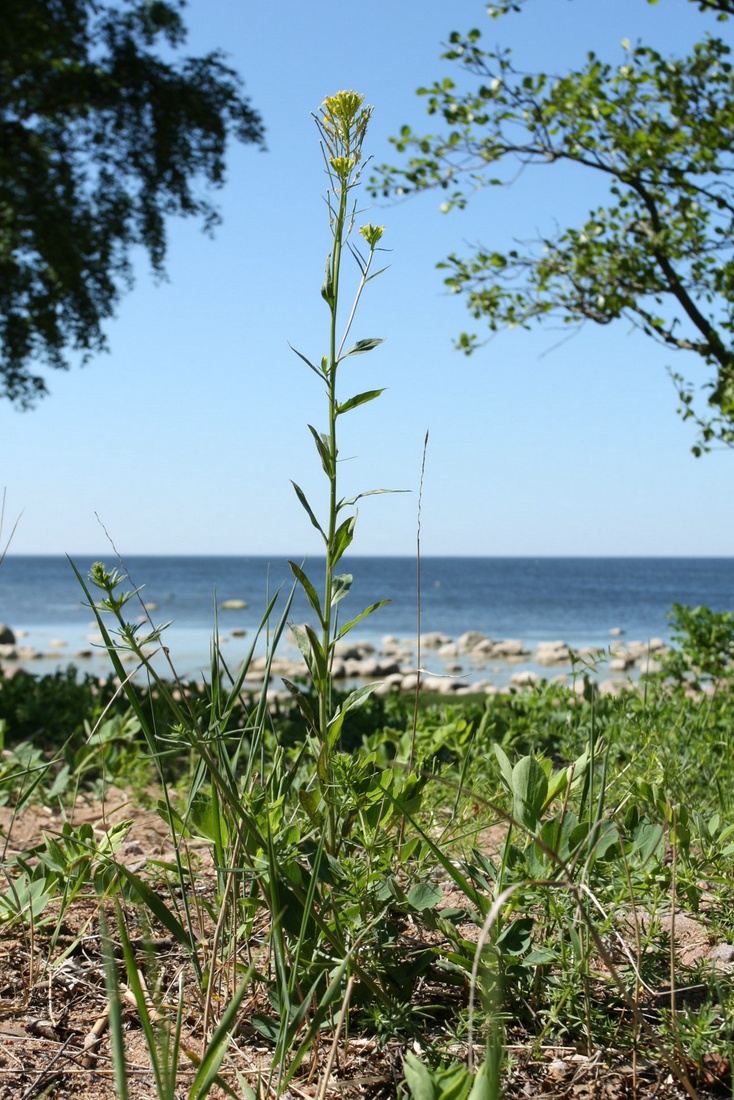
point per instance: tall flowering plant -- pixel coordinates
(342, 124)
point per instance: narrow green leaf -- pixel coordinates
(368, 493)
(357, 400)
(114, 999)
(302, 497)
(157, 907)
(302, 702)
(505, 765)
(318, 653)
(308, 588)
(307, 362)
(368, 611)
(322, 446)
(209, 1067)
(332, 993)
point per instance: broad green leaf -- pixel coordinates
(204, 819)
(424, 896)
(362, 346)
(646, 840)
(529, 791)
(483, 1088)
(516, 936)
(267, 1026)
(341, 585)
(557, 784)
(343, 537)
(607, 839)
(310, 647)
(353, 700)
(540, 957)
(309, 800)
(418, 1078)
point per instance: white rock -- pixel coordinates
(723, 953)
(510, 647)
(620, 664)
(552, 653)
(355, 650)
(434, 639)
(468, 641)
(526, 678)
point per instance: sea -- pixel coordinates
(542, 599)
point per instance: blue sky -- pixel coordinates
(185, 437)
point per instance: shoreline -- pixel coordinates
(468, 663)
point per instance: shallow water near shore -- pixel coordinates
(576, 600)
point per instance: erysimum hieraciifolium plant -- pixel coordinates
(342, 124)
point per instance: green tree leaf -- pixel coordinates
(105, 133)
(656, 253)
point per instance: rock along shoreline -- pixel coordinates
(470, 664)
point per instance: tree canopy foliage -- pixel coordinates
(104, 132)
(659, 252)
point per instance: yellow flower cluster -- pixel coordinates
(343, 122)
(372, 233)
